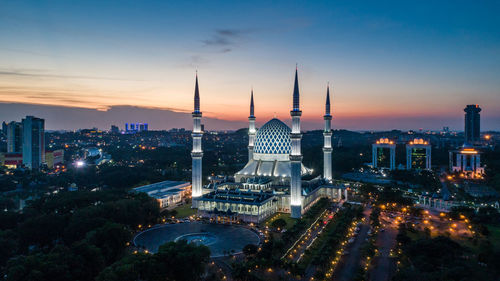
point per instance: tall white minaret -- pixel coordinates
(327, 145)
(197, 152)
(296, 156)
(251, 129)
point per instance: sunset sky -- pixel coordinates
(396, 64)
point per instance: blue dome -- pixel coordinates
(273, 138)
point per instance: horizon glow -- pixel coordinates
(385, 62)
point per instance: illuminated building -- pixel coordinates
(11, 160)
(33, 142)
(467, 162)
(467, 159)
(167, 193)
(418, 154)
(272, 180)
(472, 124)
(54, 158)
(136, 127)
(379, 157)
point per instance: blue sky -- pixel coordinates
(393, 64)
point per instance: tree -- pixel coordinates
(111, 239)
(250, 250)
(279, 223)
(177, 261)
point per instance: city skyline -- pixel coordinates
(407, 67)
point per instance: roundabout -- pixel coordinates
(221, 239)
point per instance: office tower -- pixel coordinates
(472, 124)
(4, 128)
(33, 142)
(14, 137)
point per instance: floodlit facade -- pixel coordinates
(272, 180)
(167, 193)
(418, 154)
(467, 162)
(378, 155)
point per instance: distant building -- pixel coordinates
(136, 127)
(11, 160)
(115, 129)
(467, 162)
(380, 159)
(14, 137)
(4, 127)
(167, 193)
(54, 158)
(418, 154)
(33, 142)
(95, 156)
(472, 124)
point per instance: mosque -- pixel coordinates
(272, 180)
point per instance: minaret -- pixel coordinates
(327, 145)
(251, 129)
(296, 156)
(197, 152)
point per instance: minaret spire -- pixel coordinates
(296, 198)
(327, 105)
(296, 96)
(251, 105)
(251, 128)
(197, 152)
(327, 141)
(196, 95)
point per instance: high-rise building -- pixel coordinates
(4, 128)
(14, 137)
(472, 124)
(33, 142)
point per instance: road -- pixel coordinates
(350, 263)
(384, 265)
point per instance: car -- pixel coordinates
(382, 230)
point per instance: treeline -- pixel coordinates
(71, 235)
(441, 258)
(175, 261)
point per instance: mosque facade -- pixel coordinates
(272, 180)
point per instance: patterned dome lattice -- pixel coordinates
(273, 138)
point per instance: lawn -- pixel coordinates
(289, 221)
(184, 211)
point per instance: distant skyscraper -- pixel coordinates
(472, 124)
(4, 127)
(33, 142)
(14, 137)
